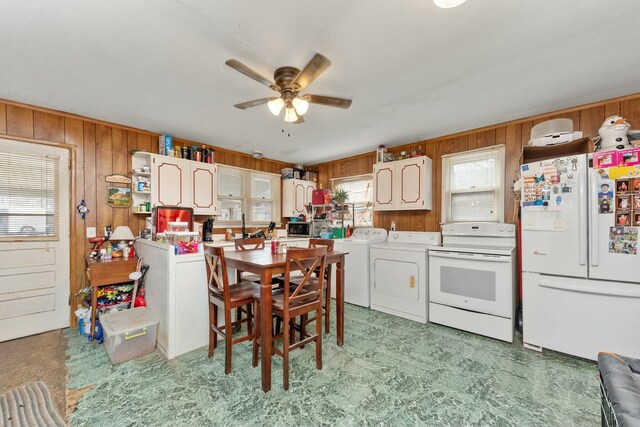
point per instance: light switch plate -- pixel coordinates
(91, 232)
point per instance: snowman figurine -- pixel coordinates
(614, 134)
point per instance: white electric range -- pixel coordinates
(472, 279)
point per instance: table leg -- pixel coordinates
(94, 305)
(265, 328)
(340, 300)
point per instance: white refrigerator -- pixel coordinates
(580, 262)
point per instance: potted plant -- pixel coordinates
(340, 196)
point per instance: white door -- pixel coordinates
(34, 239)
(204, 184)
(299, 194)
(554, 237)
(399, 283)
(172, 181)
(410, 181)
(308, 197)
(613, 253)
(383, 182)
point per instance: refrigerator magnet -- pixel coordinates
(636, 202)
(636, 218)
(623, 218)
(636, 184)
(622, 185)
(624, 202)
(605, 206)
(558, 200)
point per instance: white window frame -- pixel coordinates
(247, 200)
(336, 182)
(495, 152)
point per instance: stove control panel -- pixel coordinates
(482, 229)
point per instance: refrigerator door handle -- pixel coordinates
(593, 214)
(582, 219)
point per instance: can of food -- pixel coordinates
(185, 153)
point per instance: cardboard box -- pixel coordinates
(317, 197)
(165, 143)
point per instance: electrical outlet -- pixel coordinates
(108, 230)
(91, 232)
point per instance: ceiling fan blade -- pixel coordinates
(255, 102)
(311, 71)
(239, 66)
(300, 120)
(329, 101)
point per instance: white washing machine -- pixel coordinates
(399, 274)
(356, 274)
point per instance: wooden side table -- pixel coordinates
(109, 272)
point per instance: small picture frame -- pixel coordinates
(636, 184)
(625, 202)
(623, 218)
(636, 219)
(622, 186)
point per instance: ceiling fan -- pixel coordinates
(289, 82)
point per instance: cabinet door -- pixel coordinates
(204, 188)
(383, 180)
(411, 183)
(309, 192)
(299, 197)
(172, 179)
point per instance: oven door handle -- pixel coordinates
(469, 256)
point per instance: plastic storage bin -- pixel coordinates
(129, 334)
(185, 242)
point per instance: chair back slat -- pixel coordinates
(246, 244)
(328, 243)
(306, 261)
(217, 278)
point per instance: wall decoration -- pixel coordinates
(623, 240)
(118, 178)
(119, 197)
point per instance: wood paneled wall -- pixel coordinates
(514, 135)
(99, 149)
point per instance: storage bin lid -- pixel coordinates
(122, 321)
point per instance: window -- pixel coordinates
(360, 189)
(256, 194)
(473, 185)
(29, 196)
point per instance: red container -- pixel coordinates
(274, 246)
(318, 196)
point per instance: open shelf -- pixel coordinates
(573, 148)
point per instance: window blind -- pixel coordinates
(360, 189)
(29, 197)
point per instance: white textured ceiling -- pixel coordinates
(413, 70)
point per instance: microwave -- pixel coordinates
(299, 229)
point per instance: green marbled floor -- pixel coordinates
(390, 371)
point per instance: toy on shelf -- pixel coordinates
(615, 134)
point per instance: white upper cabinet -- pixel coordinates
(204, 189)
(403, 184)
(296, 194)
(184, 183)
(171, 181)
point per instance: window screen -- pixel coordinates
(29, 205)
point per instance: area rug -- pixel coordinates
(30, 406)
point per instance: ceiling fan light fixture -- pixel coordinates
(301, 105)
(446, 4)
(275, 106)
(290, 115)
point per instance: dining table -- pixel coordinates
(266, 264)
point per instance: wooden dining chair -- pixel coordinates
(295, 300)
(326, 309)
(226, 296)
(249, 244)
